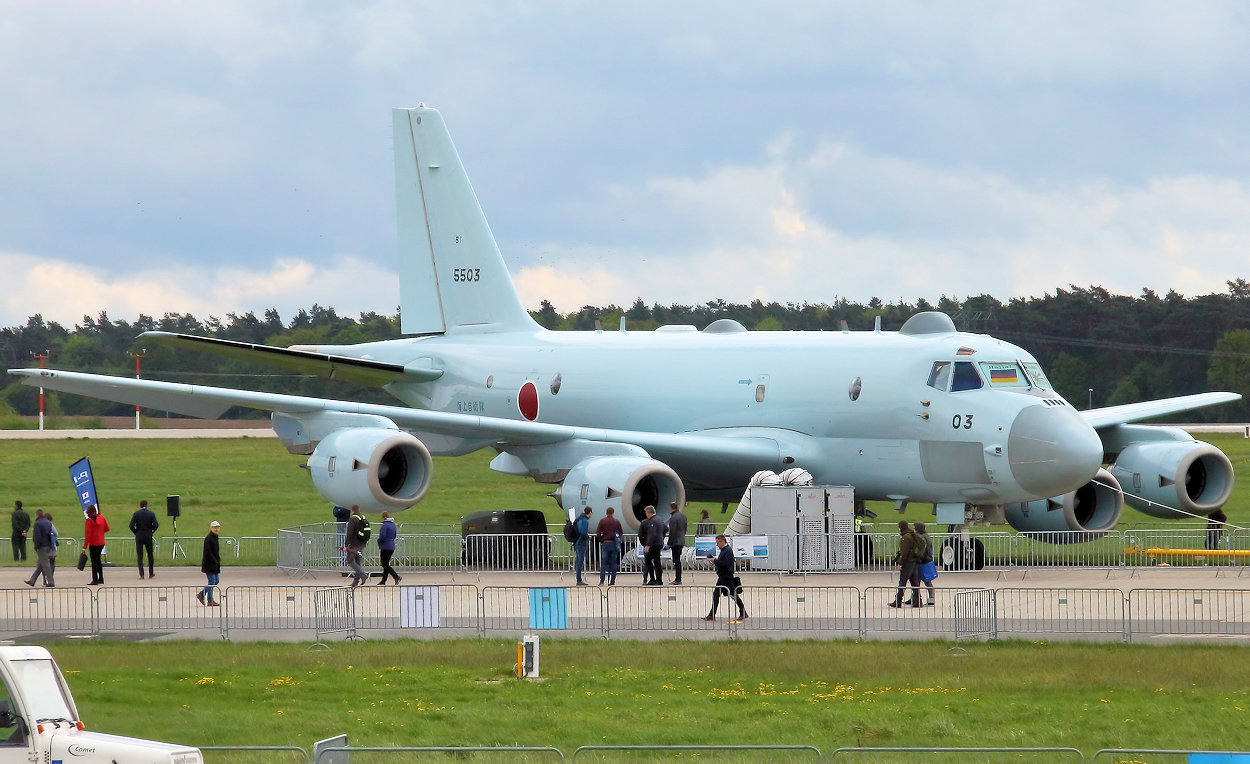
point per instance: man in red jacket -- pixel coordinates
(93, 538)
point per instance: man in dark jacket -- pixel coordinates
(210, 564)
(907, 561)
(725, 582)
(651, 539)
(45, 549)
(21, 526)
(386, 546)
(1215, 528)
(143, 524)
(676, 539)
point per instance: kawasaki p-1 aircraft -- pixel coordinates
(625, 419)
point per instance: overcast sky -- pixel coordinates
(213, 157)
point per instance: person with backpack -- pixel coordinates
(581, 545)
(907, 561)
(358, 533)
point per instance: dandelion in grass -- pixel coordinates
(282, 681)
(205, 681)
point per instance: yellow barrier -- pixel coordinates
(1217, 553)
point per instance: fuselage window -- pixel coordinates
(1002, 374)
(940, 375)
(1034, 370)
(966, 377)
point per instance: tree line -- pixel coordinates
(1096, 347)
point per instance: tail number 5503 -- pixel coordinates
(466, 274)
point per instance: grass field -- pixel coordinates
(253, 486)
(827, 694)
(460, 692)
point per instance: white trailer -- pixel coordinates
(39, 721)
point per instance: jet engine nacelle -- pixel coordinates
(626, 483)
(374, 468)
(1093, 509)
(1163, 476)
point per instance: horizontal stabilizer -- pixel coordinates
(337, 367)
(1136, 412)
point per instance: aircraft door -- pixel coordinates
(758, 395)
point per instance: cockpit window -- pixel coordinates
(1034, 370)
(966, 377)
(1003, 374)
(940, 375)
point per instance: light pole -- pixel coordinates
(1091, 399)
(42, 357)
(138, 354)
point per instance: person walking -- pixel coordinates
(676, 539)
(21, 526)
(726, 581)
(358, 532)
(210, 565)
(581, 547)
(651, 539)
(93, 538)
(386, 546)
(143, 525)
(608, 534)
(44, 550)
(906, 561)
(56, 542)
(925, 565)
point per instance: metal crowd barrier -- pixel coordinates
(328, 754)
(1089, 612)
(774, 611)
(317, 548)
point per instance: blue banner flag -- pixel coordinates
(84, 484)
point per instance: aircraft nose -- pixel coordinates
(1052, 450)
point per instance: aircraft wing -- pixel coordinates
(761, 451)
(342, 368)
(1135, 412)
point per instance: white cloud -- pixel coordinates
(794, 151)
(64, 292)
(767, 232)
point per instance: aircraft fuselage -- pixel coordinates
(850, 407)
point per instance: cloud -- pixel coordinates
(897, 230)
(64, 292)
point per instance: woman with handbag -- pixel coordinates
(93, 538)
(928, 569)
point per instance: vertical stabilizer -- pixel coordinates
(451, 274)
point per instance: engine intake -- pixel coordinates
(1164, 476)
(373, 468)
(1081, 515)
(626, 483)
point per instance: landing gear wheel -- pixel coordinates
(956, 555)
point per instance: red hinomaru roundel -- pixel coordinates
(527, 401)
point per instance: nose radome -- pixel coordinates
(1052, 450)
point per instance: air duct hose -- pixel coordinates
(740, 522)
